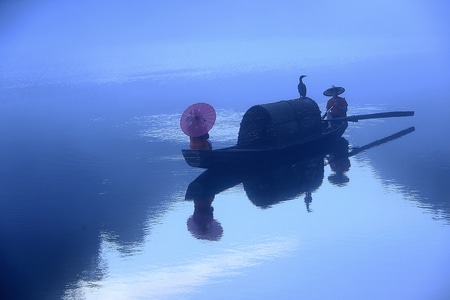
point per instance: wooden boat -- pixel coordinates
(240, 157)
(276, 132)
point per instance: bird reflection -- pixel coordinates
(268, 186)
(308, 200)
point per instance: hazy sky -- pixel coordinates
(73, 23)
(153, 35)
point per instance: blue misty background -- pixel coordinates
(77, 76)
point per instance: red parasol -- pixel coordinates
(197, 119)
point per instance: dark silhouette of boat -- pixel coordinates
(277, 132)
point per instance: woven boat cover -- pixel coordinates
(279, 123)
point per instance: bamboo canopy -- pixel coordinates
(279, 123)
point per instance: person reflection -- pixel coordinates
(339, 164)
(202, 224)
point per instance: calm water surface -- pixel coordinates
(93, 207)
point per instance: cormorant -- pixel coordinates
(302, 87)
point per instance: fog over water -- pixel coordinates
(93, 183)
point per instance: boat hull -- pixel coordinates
(237, 157)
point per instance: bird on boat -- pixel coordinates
(302, 87)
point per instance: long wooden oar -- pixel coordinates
(390, 114)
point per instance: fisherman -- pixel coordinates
(302, 87)
(336, 106)
(200, 142)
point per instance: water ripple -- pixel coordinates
(166, 127)
(166, 282)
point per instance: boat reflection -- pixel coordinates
(267, 186)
